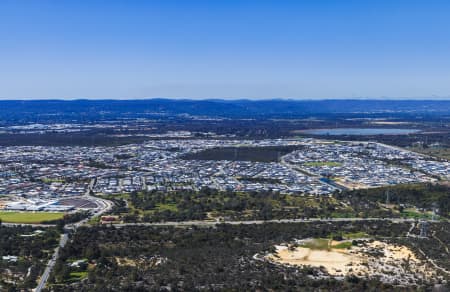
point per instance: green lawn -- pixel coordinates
(343, 214)
(415, 215)
(29, 217)
(318, 244)
(354, 235)
(78, 275)
(325, 244)
(51, 180)
(169, 206)
(343, 245)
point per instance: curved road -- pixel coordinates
(102, 207)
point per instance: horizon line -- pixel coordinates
(434, 98)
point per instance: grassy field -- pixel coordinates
(343, 245)
(325, 244)
(318, 244)
(29, 217)
(75, 276)
(52, 180)
(411, 213)
(354, 235)
(170, 207)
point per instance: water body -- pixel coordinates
(360, 131)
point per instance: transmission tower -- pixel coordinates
(423, 228)
(435, 212)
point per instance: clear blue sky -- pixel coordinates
(224, 49)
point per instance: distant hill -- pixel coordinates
(80, 110)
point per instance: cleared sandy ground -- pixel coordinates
(351, 184)
(335, 261)
(149, 262)
(388, 262)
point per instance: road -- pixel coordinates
(105, 206)
(102, 207)
(26, 224)
(51, 263)
(318, 178)
(214, 223)
(433, 262)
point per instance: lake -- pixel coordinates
(360, 131)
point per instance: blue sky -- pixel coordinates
(224, 49)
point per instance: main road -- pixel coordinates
(105, 206)
(51, 263)
(214, 223)
(102, 207)
(64, 237)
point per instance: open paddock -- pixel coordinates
(29, 217)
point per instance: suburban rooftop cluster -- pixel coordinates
(317, 167)
(360, 164)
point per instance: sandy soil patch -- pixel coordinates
(390, 263)
(335, 261)
(152, 261)
(125, 261)
(350, 184)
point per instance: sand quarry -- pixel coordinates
(390, 263)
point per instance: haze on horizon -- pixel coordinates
(224, 49)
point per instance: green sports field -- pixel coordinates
(29, 217)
